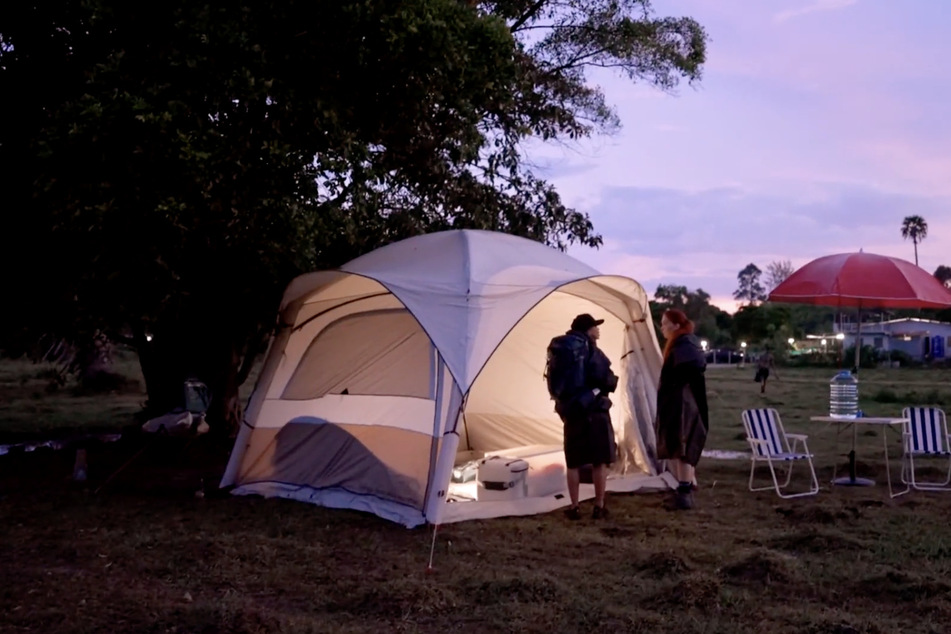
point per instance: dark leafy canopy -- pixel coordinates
(170, 166)
(943, 274)
(710, 322)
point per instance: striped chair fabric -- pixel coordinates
(927, 430)
(925, 437)
(765, 425)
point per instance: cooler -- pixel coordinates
(546, 468)
(502, 478)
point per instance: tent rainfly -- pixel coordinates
(393, 373)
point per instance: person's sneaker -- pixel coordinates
(599, 513)
(573, 513)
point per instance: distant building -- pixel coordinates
(921, 339)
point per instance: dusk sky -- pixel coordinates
(817, 127)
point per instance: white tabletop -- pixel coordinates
(863, 420)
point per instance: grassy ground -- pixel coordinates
(144, 554)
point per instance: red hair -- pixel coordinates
(684, 327)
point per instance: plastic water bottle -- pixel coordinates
(844, 395)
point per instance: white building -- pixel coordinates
(921, 339)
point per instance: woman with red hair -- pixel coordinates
(682, 417)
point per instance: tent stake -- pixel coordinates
(432, 549)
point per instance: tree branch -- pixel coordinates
(528, 15)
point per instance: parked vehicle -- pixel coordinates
(724, 355)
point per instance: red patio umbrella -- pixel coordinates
(863, 280)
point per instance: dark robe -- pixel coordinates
(682, 416)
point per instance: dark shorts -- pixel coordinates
(589, 440)
(762, 374)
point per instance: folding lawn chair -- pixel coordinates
(769, 443)
(925, 436)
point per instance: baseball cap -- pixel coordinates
(585, 322)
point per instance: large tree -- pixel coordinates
(916, 228)
(172, 166)
(749, 288)
(777, 272)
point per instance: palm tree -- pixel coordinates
(916, 228)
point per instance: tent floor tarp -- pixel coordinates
(471, 510)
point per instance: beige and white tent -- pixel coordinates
(406, 363)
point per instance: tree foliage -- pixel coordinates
(776, 273)
(916, 228)
(174, 165)
(749, 288)
(710, 322)
(943, 274)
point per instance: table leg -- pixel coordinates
(888, 471)
(851, 480)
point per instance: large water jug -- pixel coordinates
(844, 395)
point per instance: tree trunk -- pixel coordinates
(219, 359)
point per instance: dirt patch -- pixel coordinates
(761, 568)
(517, 589)
(818, 514)
(816, 542)
(899, 585)
(694, 590)
(661, 565)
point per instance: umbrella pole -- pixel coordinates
(858, 339)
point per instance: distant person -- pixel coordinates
(763, 367)
(682, 416)
(579, 380)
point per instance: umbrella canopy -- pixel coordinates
(862, 280)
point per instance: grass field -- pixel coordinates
(145, 554)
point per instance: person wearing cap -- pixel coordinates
(589, 434)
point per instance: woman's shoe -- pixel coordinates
(573, 513)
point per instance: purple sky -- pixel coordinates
(818, 126)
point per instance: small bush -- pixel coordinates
(885, 395)
(931, 397)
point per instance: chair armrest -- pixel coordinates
(801, 437)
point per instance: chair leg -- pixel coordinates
(752, 472)
(928, 486)
(779, 489)
(788, 474)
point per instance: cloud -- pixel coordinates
(703, 239)
(815, 7)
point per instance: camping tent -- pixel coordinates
(392, 372)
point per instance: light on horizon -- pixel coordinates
(840, 336)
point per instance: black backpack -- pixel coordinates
(564, 371)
